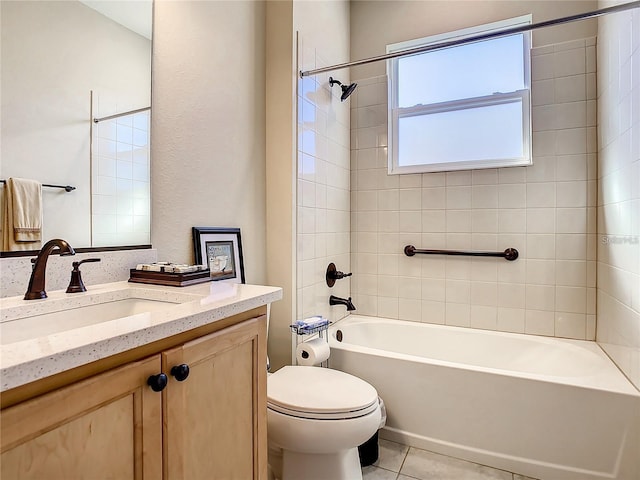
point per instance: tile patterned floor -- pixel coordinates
(399, 462)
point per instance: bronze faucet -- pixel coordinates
(333, 300)
(36, 282)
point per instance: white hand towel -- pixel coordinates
(22, 223)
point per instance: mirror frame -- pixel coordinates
(33, 253)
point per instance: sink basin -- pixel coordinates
(35, 326)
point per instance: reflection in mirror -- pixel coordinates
(65, 63)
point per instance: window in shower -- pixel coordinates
(462, 107)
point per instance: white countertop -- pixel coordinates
(28, 360)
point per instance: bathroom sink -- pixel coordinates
(39, 325)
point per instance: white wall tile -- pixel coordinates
(618, 85)
(458, 314)
(542, 210)
(540, 297)
(511, 319)
(484, 317)
(539, 322)
(433, 312)
(570, 325)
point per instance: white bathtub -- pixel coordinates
(548, 408)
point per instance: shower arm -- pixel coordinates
(486, 36)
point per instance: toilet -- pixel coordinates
(316, 418)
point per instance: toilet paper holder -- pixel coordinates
(303, 333)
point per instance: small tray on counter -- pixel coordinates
(169, 278)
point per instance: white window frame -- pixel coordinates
(524, 95)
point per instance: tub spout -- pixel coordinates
(333, 300)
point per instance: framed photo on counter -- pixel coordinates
(220, 248)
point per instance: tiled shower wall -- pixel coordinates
(619, 190)
(546, 211)
(120, 210)
(323, 207)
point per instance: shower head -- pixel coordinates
(346, 89)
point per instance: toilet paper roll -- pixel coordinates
(312, 352)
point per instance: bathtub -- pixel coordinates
(548, 408)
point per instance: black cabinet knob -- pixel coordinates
(157, 382)
(180, 372)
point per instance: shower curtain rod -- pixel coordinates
(130, 112)
(476, 38)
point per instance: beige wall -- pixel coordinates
(619, 190)
(208, 126)
(374, 24)
(53, 55)
(280, 178)
(303, 32)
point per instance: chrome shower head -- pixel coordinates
(346, 89)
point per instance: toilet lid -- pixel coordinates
(315, 392)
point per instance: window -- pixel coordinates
(461, 107)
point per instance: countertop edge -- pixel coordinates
(19, 373)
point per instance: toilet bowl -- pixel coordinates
(316, 418)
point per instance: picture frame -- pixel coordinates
(220, 249)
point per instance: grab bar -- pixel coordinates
(509, 254)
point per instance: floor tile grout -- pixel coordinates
(398, 474)
(402, 463)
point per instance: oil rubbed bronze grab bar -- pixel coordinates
(509, 254)
(67, 188)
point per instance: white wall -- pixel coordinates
(208, 126)
(619, 189)
(53, 55)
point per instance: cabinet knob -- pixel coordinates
(157, 382)
(180, 372)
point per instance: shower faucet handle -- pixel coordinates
(334, 274)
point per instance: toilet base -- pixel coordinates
(342, 465)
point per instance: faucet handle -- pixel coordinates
(76, 284)
(334, 274)
(86, 260)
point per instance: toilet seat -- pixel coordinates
(319, 393)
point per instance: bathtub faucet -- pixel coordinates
(333, 300)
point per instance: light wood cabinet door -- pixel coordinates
(106, 427)
(215, 420)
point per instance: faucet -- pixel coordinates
(36, 282)
(333, 300)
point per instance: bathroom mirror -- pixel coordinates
(65, 63)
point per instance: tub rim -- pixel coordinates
(614, 379)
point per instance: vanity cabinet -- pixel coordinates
(216, 418)
(107, 426)
(211, 424)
